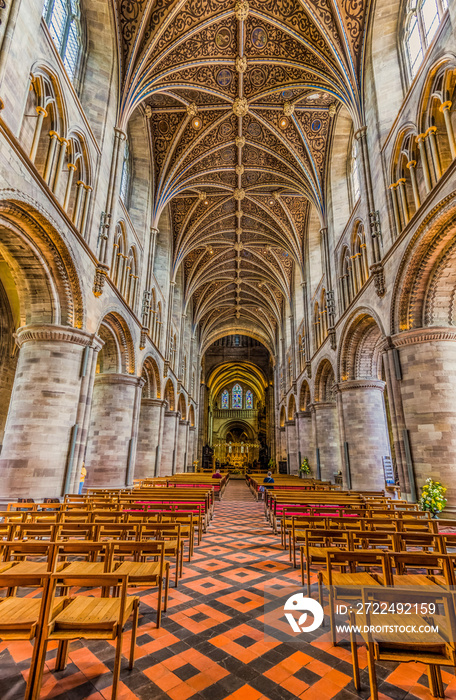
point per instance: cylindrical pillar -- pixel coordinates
(404, 204)
(306, 444)
(411, 165)
(71, 170)
(445, 108)
(85, 209)
(424, 162)
(53, 135)
(428, 362)
(397, 218)
(168, 446)
(292, 446)
(111, 429)
(366, 431)
(43, 411)
(182, 445)
(327, 438)
(36, 136)
(60, 161)
(77, 205)
(430, 133)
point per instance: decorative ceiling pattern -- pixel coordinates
(240, 98)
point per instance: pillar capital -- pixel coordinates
(351, 384)
(360, 132)
(41, 110)
(411, 164)
(62, 334)
(424, 335)
(445, 106)
(115, 378)
(431, 130)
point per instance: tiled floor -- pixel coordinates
(212, 644)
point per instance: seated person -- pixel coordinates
(268, 481)
(217, 475)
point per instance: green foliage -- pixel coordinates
(305, 466)
(433, 496)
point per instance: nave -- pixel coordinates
(211, 644)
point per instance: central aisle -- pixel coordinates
(212, 644)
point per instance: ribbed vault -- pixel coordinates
(240, 98)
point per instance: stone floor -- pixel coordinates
(212, 644)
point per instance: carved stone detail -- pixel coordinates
(101, 272)
(241, 10)
(241, 64)
(240, 107)
(239, 194)
(60, 334)
(378, 274)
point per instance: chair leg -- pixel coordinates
(165, 607)
(35, 679)
(302, 567)
(117, 664)
(354, 651)
(159, 600)
(62, 653)
(332, 619)
(308, 577)
(372, 673)
(134, 630)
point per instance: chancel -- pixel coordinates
(227, 346)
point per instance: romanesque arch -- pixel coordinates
(304, 397)
(181, 407)
(169, 395)
(325, 382)
(151, 375)
(424, 288)
(117, 355)
(291, 407)
(360, 348)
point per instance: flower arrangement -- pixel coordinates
(271, 464)
(433, 496)
(305, 466)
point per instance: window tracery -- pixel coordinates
(63, 17)
(422, 21)
(236, 396)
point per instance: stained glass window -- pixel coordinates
(249, 399)
(225, 399)
(63, 20)
(237, 396)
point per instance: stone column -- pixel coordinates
(306, 444)
(191, 456)
(149, 436)
(41, 429)
(428, 364)
(292, 446)
(424, 162)
(112, 430)
(327, 438)
(445, 108)
(411, 165)
(366, 431)
(168, 446)
(182, 446)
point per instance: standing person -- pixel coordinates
(268, 481)
(82, 478)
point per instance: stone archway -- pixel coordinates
(327, 437)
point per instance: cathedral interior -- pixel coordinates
(227, 242)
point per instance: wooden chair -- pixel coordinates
(88, 617)
(173, 544)
(21, 618)
(437, 567)
(432, 648)
(76, 531)
(145, 565)
(31, 557)
(345, 585)
(317, 543)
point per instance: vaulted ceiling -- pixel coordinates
(240, 98)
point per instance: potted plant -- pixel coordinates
(304, 469)
(271, 465)
(433, 497)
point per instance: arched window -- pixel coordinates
(126, 176)
(63, 18)
(225, 399)
(236, 401)
(422, 21)
(354, 172)
(249, 399)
